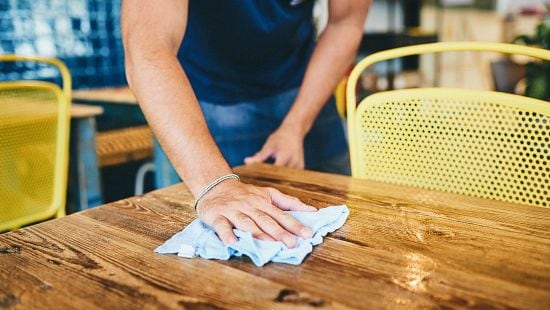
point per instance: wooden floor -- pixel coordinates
(401, 247)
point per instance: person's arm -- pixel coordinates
(152, 35)
(334, 53)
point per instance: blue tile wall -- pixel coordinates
(85, 34)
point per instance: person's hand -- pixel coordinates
(258, 210)
(285, 146)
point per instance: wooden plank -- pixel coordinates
(114, 274)
(124, 145)
(120, 106)
(420, 238)
(115, 95)
(85, 110)
(401, 248)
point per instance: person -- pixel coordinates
(227, 82)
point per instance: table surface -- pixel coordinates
(32, 113)
(115, 95)
(40, 111)
(401, 247)
(85, 110)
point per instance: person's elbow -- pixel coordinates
(136, 51)
(132, 55)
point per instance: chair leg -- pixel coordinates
(140, 177)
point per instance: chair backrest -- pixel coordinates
(34, 144)
(340, 98)
(477, 143)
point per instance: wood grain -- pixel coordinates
(402, 247)
(119, 146)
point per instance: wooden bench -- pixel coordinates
(125, 145)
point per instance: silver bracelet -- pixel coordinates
(212, 185)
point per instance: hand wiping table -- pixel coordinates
(199, 239)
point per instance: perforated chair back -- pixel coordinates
(477, 143)
(34, 141)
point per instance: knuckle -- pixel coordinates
(260, 202)
(272, 190)
(290, 220)
(282, 215)
(264, 219)
(260, 195)
(235, 206)
(243, 218)
(277, 213)
(249, 225)
(219, 223)
(230, 214)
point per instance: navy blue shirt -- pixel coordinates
(239, 50)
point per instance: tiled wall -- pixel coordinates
(85, 34)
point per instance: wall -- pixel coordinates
(85, 34)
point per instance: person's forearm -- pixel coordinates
(171, 108)
(334, 53)
(152, 35)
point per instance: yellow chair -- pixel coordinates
(478, 143)
(34, 145)
(340, 97)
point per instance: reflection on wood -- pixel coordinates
(401, 247)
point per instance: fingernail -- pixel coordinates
(289, 241)
(306, 233)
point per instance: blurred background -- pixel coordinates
(84, 34)
(112, 151)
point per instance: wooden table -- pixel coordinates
(122, 110)
(79, 111)
(401, 247)
(114, 95)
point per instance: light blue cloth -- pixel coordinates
(199, 239)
